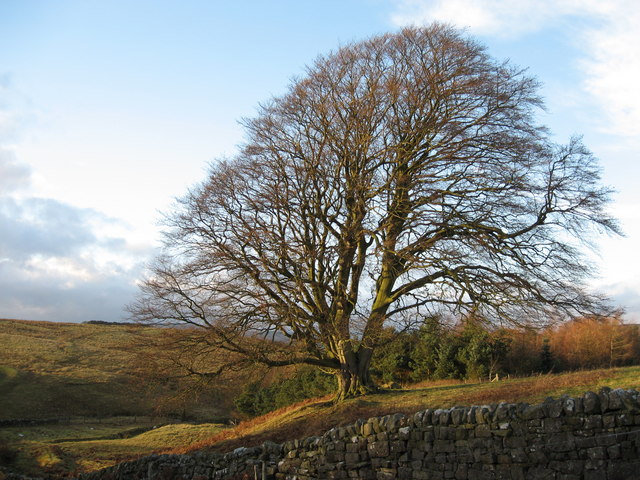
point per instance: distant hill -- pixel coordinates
(94, 369)
(103, 322)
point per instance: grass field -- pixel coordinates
(84, 445)
(52, 370)
(97, 382)
(100, 383)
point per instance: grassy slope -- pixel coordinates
(316, 416)
(50, 370)
(85, 374)
(68, 449)
(81, 447)
(54, 370)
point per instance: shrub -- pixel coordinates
(308, 382)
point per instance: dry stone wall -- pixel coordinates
(596, 436)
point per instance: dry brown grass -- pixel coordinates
(316, 416)
(537, 388)
(244, 434)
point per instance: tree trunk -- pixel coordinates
(354, 378)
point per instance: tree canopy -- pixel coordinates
(401, 177)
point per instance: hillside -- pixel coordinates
(53, 370)
(105, 386)
(313, 417)
(70, 449)
(84, 396)
(50, 370)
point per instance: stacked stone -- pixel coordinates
(596, 436)
(241, 463)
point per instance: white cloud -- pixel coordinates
(612, 68)
(605, 31)
(54, 265)
(68, 270)
(62, 289)
(506, 18)
(57, 261)
(37, 226)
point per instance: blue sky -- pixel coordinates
(111, 109)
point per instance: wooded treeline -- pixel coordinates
(469, 350)
(466, 350)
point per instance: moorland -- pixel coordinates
(78, 397)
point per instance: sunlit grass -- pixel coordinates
(50, 370)
(313, 417)
(81, 447)
(65, 371)
(94, 454)
(57, 370)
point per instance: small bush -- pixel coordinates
(308, 382)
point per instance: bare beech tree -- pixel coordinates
(400, 177)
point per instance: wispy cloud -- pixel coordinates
(612, 66)
(503, 18)
(605, 32)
